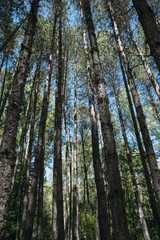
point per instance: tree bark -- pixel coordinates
(40, 203)
(6, 96)
(3, 59)
(100, 189)
(115, 192)
(65, 114)
(66, 172)
(155, 209)
(24, 129)
(39, 158)
(57, 232)
(4, 81)
(70, 190)
(75, 231)
(85, 168)
(140, 115)
(150, 28)
(151, 77)
(8, 143)
(133, 176)
(28, 155)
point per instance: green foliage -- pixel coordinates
(87, 226)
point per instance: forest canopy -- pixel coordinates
(79, 120)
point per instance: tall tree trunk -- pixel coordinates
(140, 115)
(103, 228)
(6, 96)
(65, 113)
(75, 231)
(151, 31)
(85, 168)
(57, 232)
(19, 197)
(8, 143)
(133, 176)
(10, 37)
(40, 203)
(66, 172)
(24, 128)
(3, 59)
(28, 155)
(152, 102)
(70, 190)
(144, 62)
(20, 154)
(39, 158)
(97, 222)
(115, 192)
(4, 81)
(155, 209)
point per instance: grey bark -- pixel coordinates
(151, 101)
(4, 81)
(6, 96)
(3, 59)
(140, 115)
(20, 156)
(57, 232)
(65, 114)
(24, 130)
(70, 190)
(115, 192)
(150, 28)
(133, 176)
(100, 189)
(40, 203)
(75, 230)
(154, 207)
(28, 154)
(66, 172)
(8, 143)
(39, 158)
(151, 77)
(85, 168)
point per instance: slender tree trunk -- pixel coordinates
(19, 202)
(8, 143)
(100, 189)
(144, 62)
(115, 192)
(10, 37)
(6, 96)
(140, 115)
(130, 207)
(24, 130)
(40, 203)
(155, 210)
(65, 113)
(66, 172)
(28, 155)
(133, 176)
(57, 232)
(70, 190)
(97, 222)
(75, 231)
(3, 59)
(151, 101)
(150, 28)
(4, 81)
(85, 169)
(39, 158)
